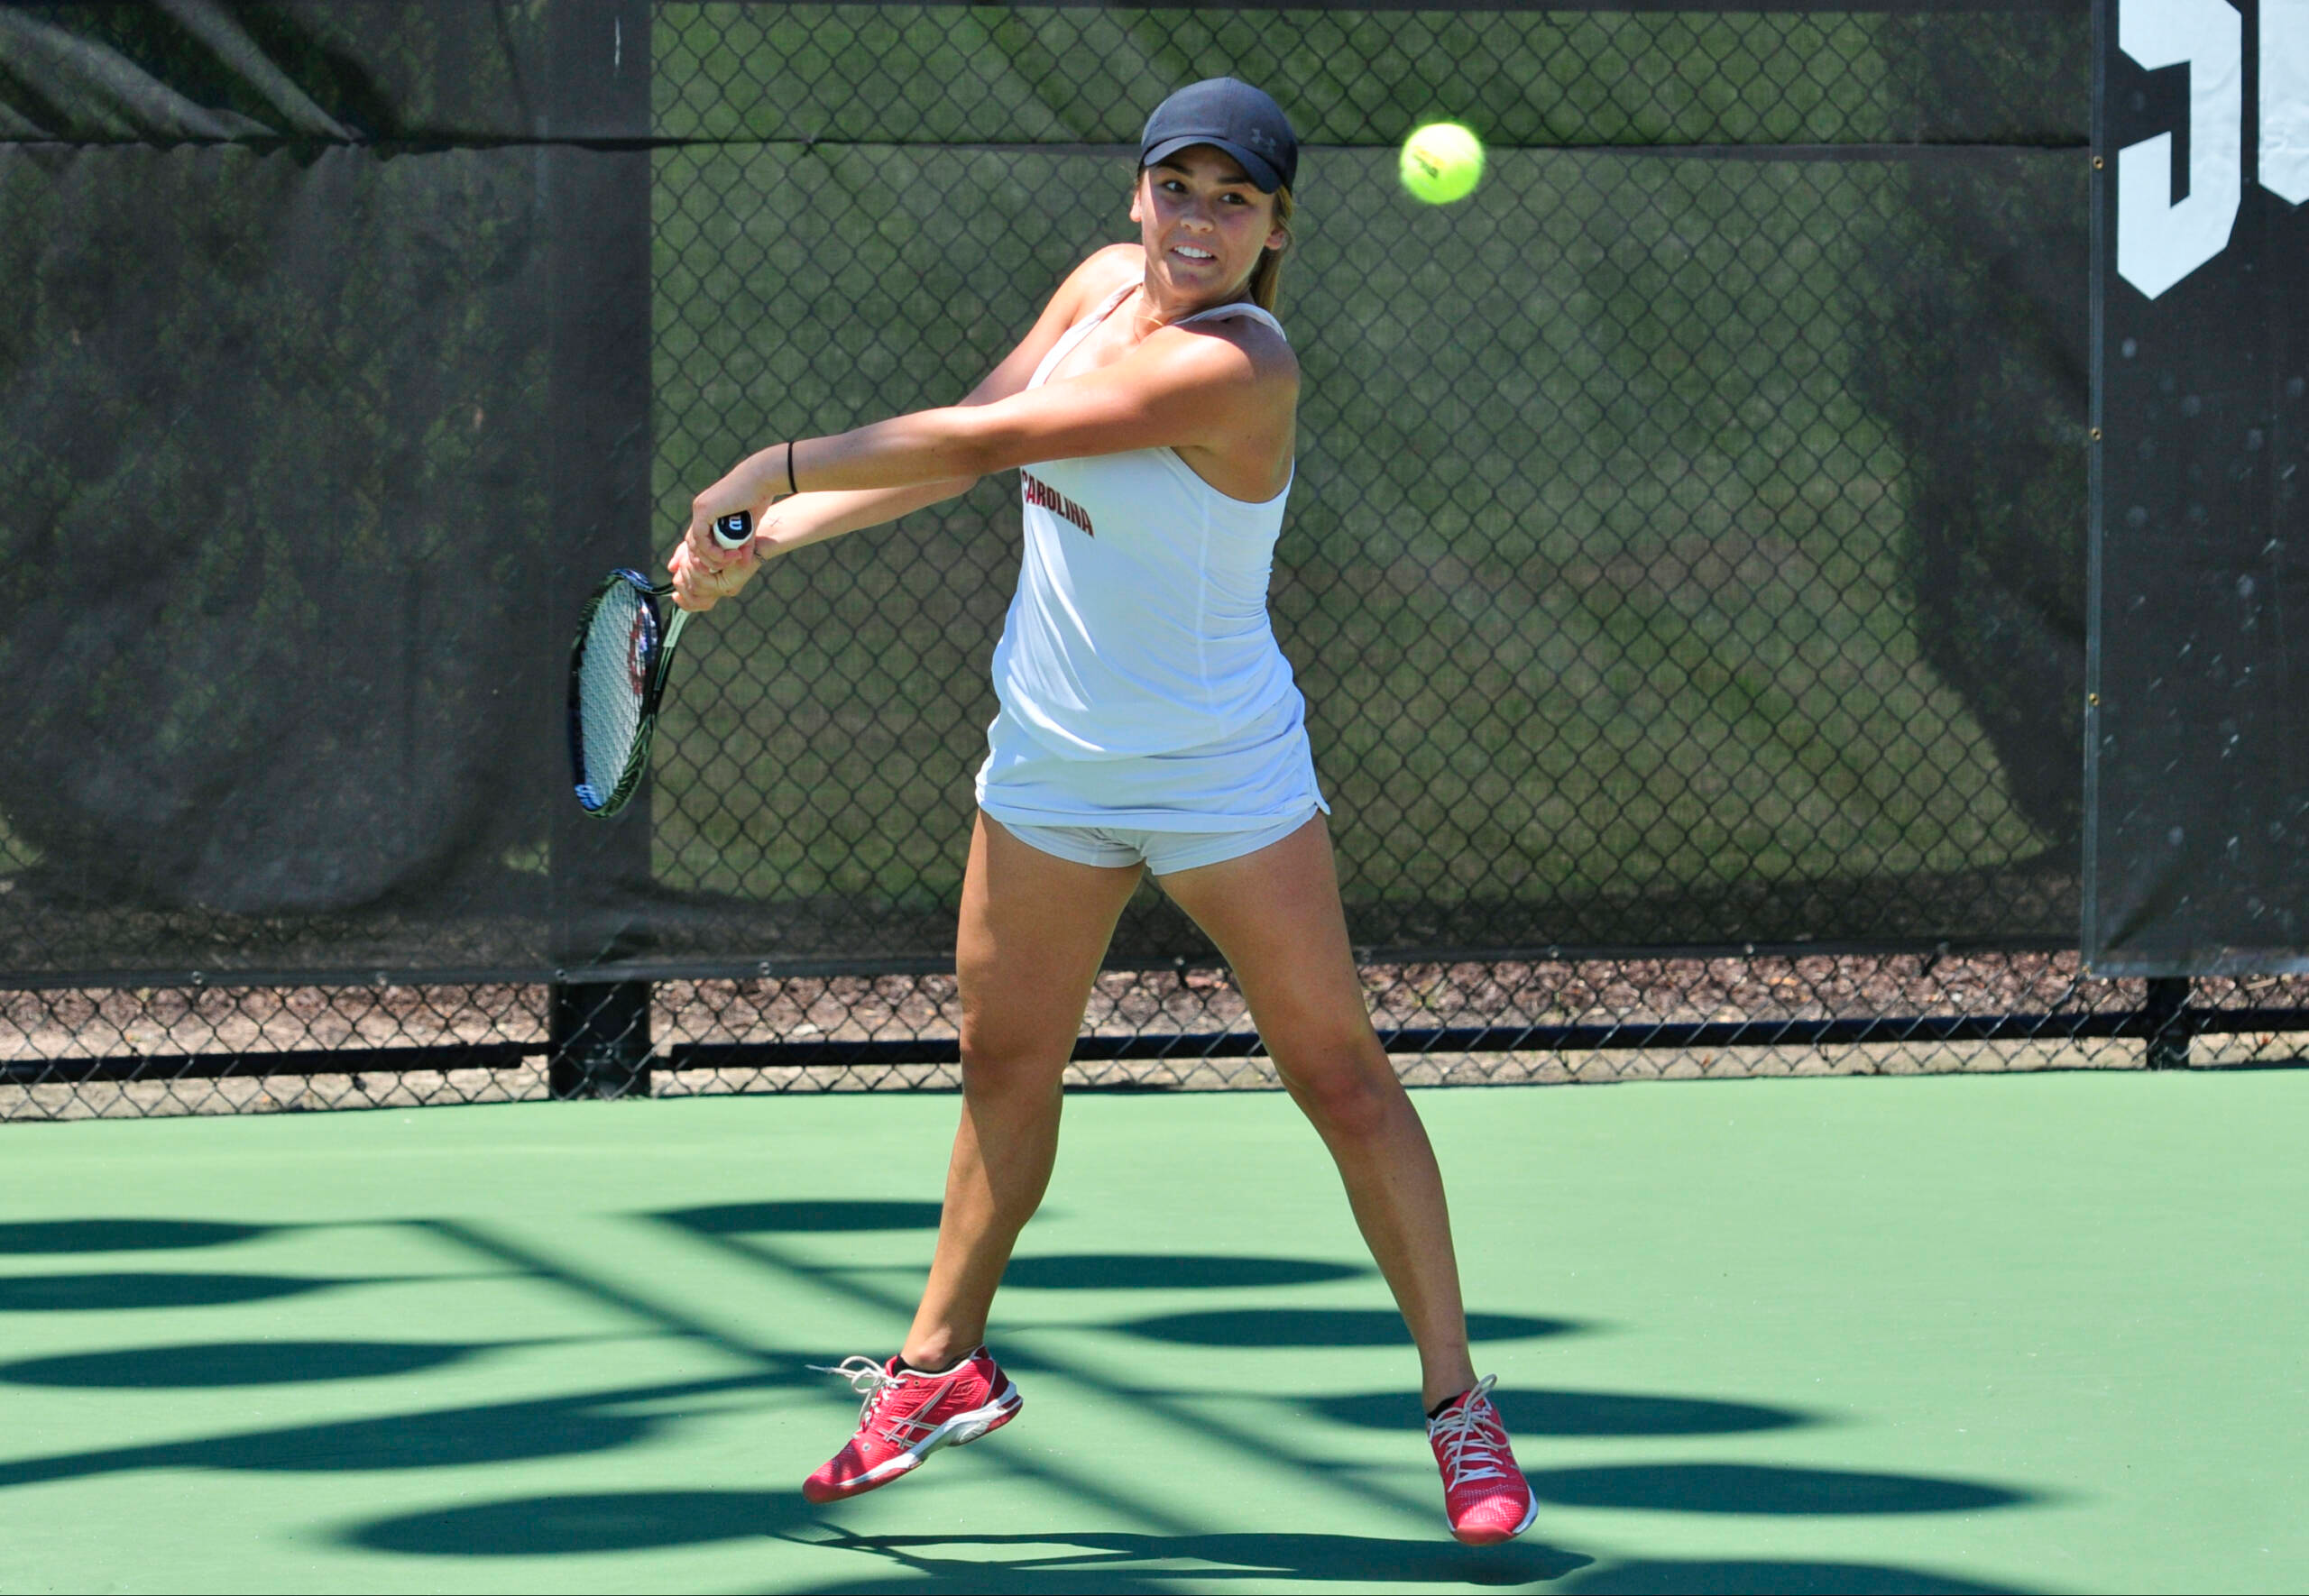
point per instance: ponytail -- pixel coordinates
(1266, 277)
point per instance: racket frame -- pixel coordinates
(666, 633)
(732, 532)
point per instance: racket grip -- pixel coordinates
(733, 532)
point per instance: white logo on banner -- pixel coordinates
(2285, 99)
(2160, 240)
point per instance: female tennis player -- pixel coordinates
(1147, 721)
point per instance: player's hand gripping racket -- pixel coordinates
(618, 667)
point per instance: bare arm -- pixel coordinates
(833, 510)
(1177, 389)
(802, 520)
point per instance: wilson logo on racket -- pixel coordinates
(618, 666)
(636, 651)
(1050, 499)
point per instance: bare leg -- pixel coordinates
(1033, 931)
(1275, 916)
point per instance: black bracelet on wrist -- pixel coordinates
(790, 487)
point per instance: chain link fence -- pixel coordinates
(1684, 568)
(76, 1053)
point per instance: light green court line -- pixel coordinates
(1947, 1333)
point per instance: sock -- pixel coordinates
(1437, 1411)
(932, 1373)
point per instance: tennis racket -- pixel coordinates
(618, 667)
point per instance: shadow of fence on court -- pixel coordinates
(1236, 1435)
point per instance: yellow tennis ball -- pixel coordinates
(1441, 162)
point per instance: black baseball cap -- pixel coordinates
(1229, 114)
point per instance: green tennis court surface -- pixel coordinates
(1945, 1334)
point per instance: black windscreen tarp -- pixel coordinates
(2198, 862)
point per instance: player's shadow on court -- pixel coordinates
(636, 1521)
(586, 1525)
(1120, 1561)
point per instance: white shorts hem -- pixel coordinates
(1165, 853)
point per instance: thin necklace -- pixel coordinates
(1159, 324)
(1145, 332)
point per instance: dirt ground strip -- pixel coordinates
(67, 1030)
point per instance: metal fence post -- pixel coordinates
(600, 1032)
(2164, 1014)
(594, 178)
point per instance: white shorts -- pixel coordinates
(1163, 852)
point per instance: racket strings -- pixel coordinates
(621, 650)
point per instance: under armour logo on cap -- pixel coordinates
(1227, 114)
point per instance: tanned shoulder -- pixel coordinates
(1268, 353)
(1116, 266)
(1269, 350)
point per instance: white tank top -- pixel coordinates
(1138, 675)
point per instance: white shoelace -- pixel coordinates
(1472, 1436)
(870, 1380)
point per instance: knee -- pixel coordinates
(1349, 1093)
(996, 1065)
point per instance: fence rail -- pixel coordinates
(66, 1055)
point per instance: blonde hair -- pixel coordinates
(1266, 277)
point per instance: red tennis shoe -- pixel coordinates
(907, 1415)
(1485, 1494)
